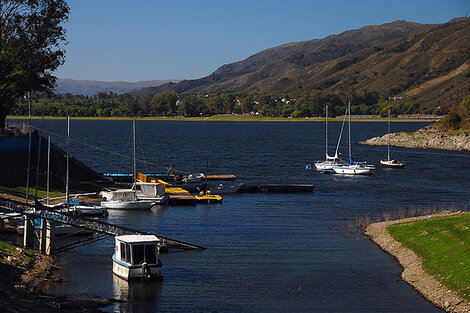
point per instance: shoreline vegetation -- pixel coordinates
(249, 118)
(429, 286)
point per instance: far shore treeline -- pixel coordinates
(310, 104)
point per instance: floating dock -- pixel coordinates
(221, 177)
(276, 188)
(180, 196)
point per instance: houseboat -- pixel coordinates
(136, 257)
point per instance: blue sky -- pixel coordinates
(127, 40)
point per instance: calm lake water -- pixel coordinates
(266, 252)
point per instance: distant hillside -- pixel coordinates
(92, 87)
(429, 70)
(274, 61)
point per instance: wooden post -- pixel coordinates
(28, 235)
(42, 236)
(50, 237)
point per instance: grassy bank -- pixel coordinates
(229, 118)
(443, 243)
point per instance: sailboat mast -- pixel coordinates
(135, 162)
(67, 150)
(388, 149)
(48, 167)
(340, 134)
(349, 128)
(39, 157)
(326, 132)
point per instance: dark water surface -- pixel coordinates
(266, 252)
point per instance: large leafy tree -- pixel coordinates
(31, 34)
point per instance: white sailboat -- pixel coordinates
(330, 161)
(127, 199)
(388, 162)
(354, 168)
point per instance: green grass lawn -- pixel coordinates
(20, 260)
(222, 117)
(444, 245)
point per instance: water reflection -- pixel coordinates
(144, 293)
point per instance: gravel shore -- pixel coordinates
(413, 273)
(429, 137)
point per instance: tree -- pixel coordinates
(30, 36)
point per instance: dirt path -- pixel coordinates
(413, 273)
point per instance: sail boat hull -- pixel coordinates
(326, 165)
(352, 170)
(127, 205)
(392, 164)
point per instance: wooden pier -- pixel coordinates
(179, 196)
(275, 188)
(101, 229)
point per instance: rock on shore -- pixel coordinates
(429, 137)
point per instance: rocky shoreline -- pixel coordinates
(429, 137)
(413, 273)
(22, 282)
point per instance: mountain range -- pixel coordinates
(92, 87)
(423, 64)
(249, 75)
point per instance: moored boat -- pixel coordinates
(136, 257)
(390, 163)
(125, 199)
(354, 168)
(330, 161)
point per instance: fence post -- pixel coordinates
(50, 237)
(28, 235)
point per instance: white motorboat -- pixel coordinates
(136, 257)
(125, 199)
(353, 168)
(223, 188)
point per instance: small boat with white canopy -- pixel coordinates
(136, 257)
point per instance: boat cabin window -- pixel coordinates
(144, 253)
(138, 252)
(123, 251)
(150, 254)
(128, 253)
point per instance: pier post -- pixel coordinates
(50, 237)
(28, 235)
(43, 236)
